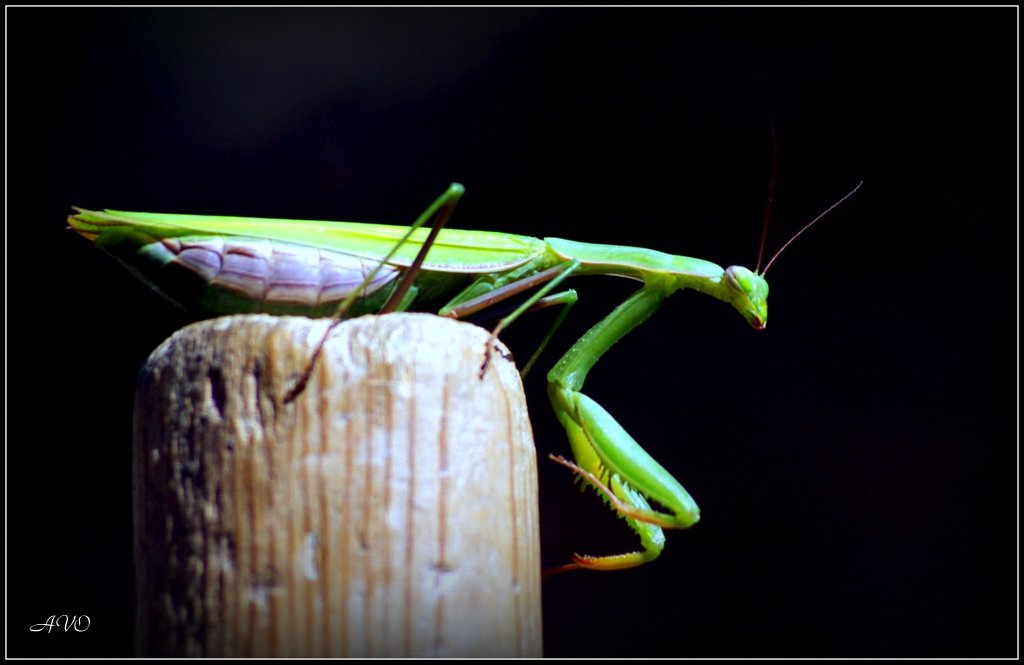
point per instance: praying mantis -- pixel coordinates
(227, 265)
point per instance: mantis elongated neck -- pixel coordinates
(665, 272)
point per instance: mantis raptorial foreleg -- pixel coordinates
(606, 454)
(626, 501)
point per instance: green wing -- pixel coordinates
(455, 250)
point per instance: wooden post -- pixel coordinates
(390, 510)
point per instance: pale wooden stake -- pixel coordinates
(390, 510)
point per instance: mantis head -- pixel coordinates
(748, 293)
(748, 290)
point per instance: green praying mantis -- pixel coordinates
(227, 265)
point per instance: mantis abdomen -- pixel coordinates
(232, 274)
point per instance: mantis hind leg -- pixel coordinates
(440, 210)
(403, 294)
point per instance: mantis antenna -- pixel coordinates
(771, 193)
(809, 225)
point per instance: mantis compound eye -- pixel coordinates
(739, 278)
(750, 294)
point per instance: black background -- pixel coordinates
(855, 462)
